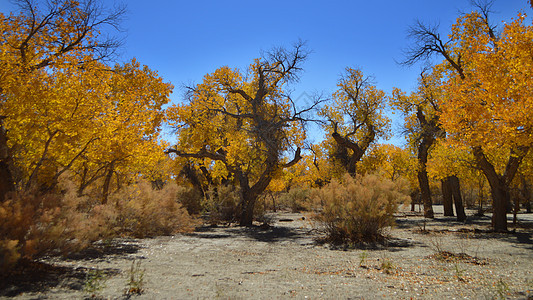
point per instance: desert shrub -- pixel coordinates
(357, 210)
(296, 199)
(222, 203)
(142, 211)
(33, 225)
(191, 199)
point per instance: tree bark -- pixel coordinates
(415, 196)
(499, 186)
(447, 197)
(526, 193)
(107, 182)
(457, 198)
(7, 184)
(425, 192)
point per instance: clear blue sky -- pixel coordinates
(184, 40)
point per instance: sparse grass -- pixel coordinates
(459, 272)
(387, 265)
(362, 258)
(135, 284)
(95, 282)
(501, 289)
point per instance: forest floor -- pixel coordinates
(424, 259)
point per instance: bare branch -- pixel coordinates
(427, 42)
(295, 160)
(86, 18)
(219, 155)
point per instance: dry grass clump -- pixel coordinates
(141, 211)
(34, 224)
(222, 203)
(357, 210)
(296, 199)
(191, 199)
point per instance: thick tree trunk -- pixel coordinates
(6, 181)
(249, 194)
(247, 214)
(358, 149)
(423, 181)
(7, 184)
(447, 198)
(415, 196)
(457, 198)
(425, 194)
(499, 186)
(500, 199)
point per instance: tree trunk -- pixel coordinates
(107, 182)
(415, 195)
(447, 198)
(425, 194)
(457, 198)
(500, 199)
(499, 185)
(7, 184)
(526, 194)
(358, 149)
(247, 214)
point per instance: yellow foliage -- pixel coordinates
(492, 105)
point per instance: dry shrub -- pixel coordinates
(222, 203)
(297, 199)
(191, 199)
(142, 211)
(33, 225)
(357, 210)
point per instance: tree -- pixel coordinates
(355, 118)
(391, 161)
(421, 110)
(66, 109)
(54, 35)
(240, 124)
(487, 85)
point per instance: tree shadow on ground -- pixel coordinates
(117, 247)
(475, 227)
(268, 234)
(40, 276)
(286, 231)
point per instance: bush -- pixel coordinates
(296, 199)
(142, 211)
(358, 209)
(222, 203)
(191, 199)
(33, 224)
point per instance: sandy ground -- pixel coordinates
(284, 261)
